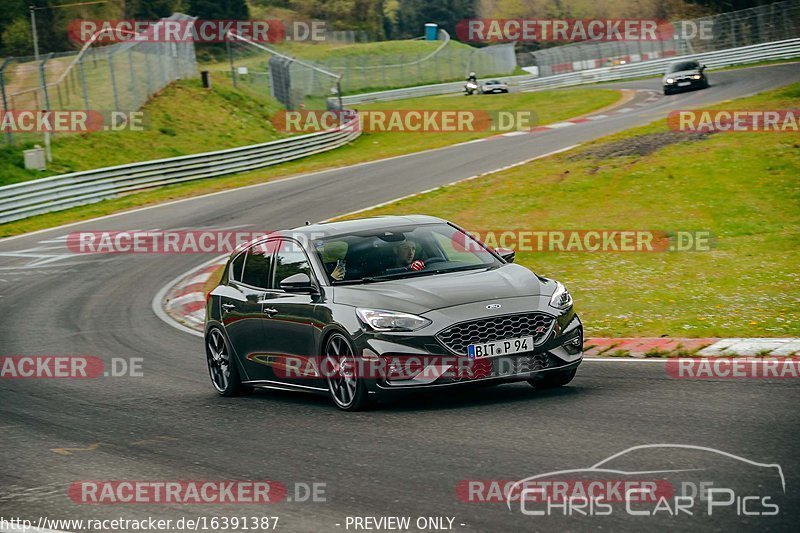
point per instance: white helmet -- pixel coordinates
(471, 74)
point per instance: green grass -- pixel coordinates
(368, 147)
(183, 119)
(375, 66)
(742, 187)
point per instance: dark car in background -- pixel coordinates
(363, 308)
(684, 76)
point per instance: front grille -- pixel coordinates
(456, 338)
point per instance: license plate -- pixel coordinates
(499, 348)
(684, 83)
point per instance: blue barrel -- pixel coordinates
(431, 31)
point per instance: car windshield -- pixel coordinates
(393, 253)
(686, 65)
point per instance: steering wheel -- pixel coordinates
(434, 260)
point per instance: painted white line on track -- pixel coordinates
(623, 360)
(559, 125)
(161, 294)
(228, 191)
(476, 176)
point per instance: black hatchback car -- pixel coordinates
(683, 76)
(363, 308)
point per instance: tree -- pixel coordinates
(150, 9)
(412, 15)
(219, 9)
(16, 38)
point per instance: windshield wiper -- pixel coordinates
(421, 273)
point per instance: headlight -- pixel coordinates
(561, 298)
(391, 320)
(696, 77)
(670, 80)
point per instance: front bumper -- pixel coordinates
(436, 367)
(693, 84)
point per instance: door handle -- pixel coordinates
(227, 307)
(270, 310)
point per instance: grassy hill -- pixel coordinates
(183, 119)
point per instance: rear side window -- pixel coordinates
(257, 265)
(236, 267)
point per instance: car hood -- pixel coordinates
(681, 74)
(427, 293)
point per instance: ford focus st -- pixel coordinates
(365, 308)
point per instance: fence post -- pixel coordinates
(113, 81)
(147, 75)
(230, 60)
(43, 81)
(43, 78)
(84, 89)
(134, 103)
(9, 138)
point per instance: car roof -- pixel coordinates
(343, 227)
(332, 229)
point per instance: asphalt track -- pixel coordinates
(404, 459)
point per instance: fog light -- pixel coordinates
(575, 344)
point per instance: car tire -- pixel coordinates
(347, 389)
(222, 367)
(667, 92)
(553, 380)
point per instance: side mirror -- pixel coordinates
(298, 283)
(702, 68)
(506, 254)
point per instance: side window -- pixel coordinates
(257, 264)
(290, 260)
(235, 273)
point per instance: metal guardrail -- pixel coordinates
(422, 90)
(26, 199)
(723, 58)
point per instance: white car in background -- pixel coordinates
(494, 86)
